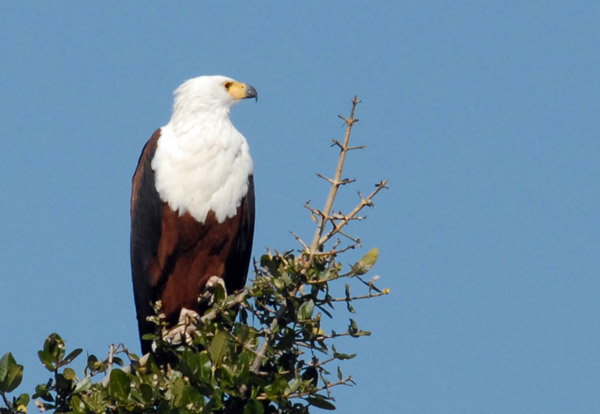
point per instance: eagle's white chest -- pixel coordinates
(199, 170)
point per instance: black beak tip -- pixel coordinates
(251, 93)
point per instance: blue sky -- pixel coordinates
(484, 116)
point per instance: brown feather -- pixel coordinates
(190, 253)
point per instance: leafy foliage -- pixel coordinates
(260, 350)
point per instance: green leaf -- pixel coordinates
(69, 358)
(271, 264)
(293, 386)
(343, 356)
(218, 345)
(83, 385)
(11, 373)
(306, 310)
(219, 293)
(338, 355)
(146, 392)
(41, 391)
(77, 404)
(366, 263)
(320, 402)
(119, 384)
(47, 360)
(55, 346)
(177, 392)
(353, 327)
(276, 388)
(254, 407)
(69, 374)
(14, 378)
(53, 352)
(6, 362)
(91, 362)
(23, 399)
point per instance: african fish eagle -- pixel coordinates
(192, 202)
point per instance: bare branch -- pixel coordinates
(363, 203)
(327, 386)
(370, 295)
(336, 181)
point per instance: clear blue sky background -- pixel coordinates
(485, 116)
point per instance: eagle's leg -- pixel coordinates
(185, 327)
(188, 318)
(214, 281)
(207, 298)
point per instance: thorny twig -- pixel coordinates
(364, 202)
(335, 183)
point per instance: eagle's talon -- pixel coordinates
(185, 328)
(214, 281)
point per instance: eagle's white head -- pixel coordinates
(212, 94)
(202, 162)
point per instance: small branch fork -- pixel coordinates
(341, 222)
(338, 220)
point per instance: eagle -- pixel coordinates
(192, 203)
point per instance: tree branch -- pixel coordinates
(337, 227)
(335, 185)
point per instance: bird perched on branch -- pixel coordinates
(192, 202)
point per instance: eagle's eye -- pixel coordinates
(227, 85)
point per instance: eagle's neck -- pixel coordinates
(202, 163)
(203, 118)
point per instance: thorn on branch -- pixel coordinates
(337, 143)
(382, 184)
(313, 210)
(325, 178)
(365, 201)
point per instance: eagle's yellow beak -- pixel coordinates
(240, 90)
